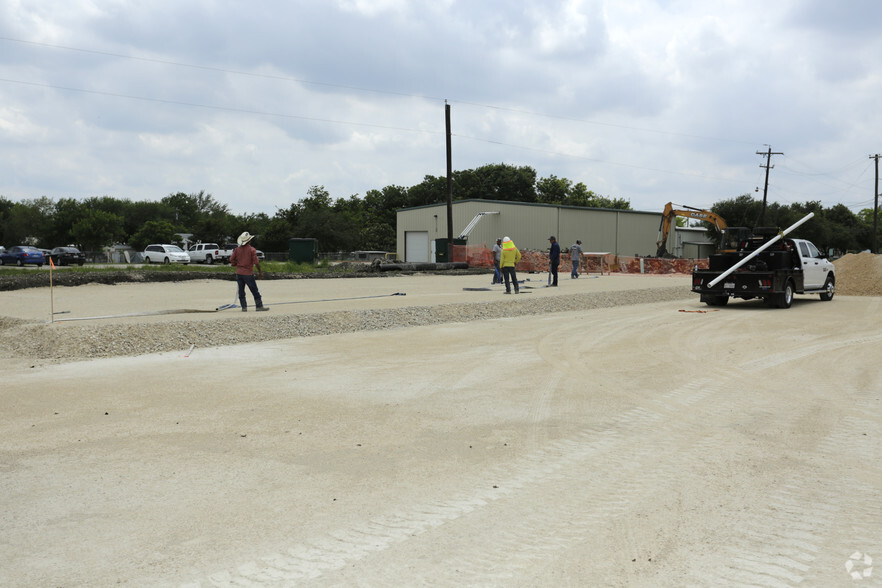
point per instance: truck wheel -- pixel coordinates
(209, 260)
(785, 298)
(829, 289)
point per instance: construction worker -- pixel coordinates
(508, 259)
(576, 257)
(497, 252)
(553, 260)
(244, 259)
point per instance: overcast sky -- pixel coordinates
(254, 102)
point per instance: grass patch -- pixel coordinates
(272, 267)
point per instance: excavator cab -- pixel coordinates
(731, 239)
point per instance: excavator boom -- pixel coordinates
(670, 214)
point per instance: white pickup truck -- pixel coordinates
(208, 253)
(765, 268)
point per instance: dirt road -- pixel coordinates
(630, 446)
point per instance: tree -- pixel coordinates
(275, 234)
(553, 190)
(430, 191)
(97, 229)
(30, 222)
(154, 231)
(5, 211)
(496, 181)
(141, 212)
(318, 220)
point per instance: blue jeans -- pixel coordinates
(575, 273)
(509, 274)
(249, 281)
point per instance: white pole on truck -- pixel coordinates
(765, 246)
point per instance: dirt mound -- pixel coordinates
(859, 274)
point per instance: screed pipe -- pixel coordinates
(765, 246)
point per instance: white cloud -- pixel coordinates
(650, 100)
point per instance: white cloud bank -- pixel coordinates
(653, 101)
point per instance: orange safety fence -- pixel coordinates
(537, 261)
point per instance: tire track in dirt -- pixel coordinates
(535, 473)
(776, 546)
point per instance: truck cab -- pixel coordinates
(815, 265)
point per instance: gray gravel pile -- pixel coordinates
(46, 341)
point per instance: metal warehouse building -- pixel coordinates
(422, 230)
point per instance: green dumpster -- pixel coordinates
(302, 250)
(441, 249)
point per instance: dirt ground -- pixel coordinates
(653, 444)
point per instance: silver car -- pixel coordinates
(165, 254)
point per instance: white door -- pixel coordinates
(814, 272)
(416, 246)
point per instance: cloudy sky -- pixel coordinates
(254, 102)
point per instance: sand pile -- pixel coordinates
(859, 274)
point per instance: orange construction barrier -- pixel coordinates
(537, 261)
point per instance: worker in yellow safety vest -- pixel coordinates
(507, 261)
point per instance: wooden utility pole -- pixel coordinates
(449, 185)
(875, 203)
(768, 166)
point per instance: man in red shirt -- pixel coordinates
(244, 259)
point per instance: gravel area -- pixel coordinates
(857, 275)
(44, 342)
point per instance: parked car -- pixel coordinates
(165, 254)
(22, 255)
(67, 256)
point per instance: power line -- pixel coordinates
(229, 71)
(372, 125)
(217, 69)
(603, 161)
(373, 90)
(221, 108)
(603, 124)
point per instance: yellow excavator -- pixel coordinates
(729, 236)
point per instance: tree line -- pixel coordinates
(360, 223)
(836, 227)
(341, 224)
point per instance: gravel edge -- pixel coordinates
(44, 342)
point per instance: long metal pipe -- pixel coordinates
(765, 246)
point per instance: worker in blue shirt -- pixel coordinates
(554, 259)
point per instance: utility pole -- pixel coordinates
(768, 166)
(875, 202)
(449, 185)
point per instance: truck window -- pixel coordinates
(804, 250)
(813, 251)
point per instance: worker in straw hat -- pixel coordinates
(244, 259)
